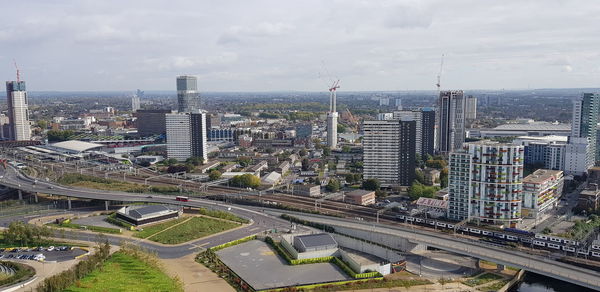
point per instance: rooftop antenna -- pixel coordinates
(18, 73)
(438, 84)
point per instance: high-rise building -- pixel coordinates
(485, 183)
(332, 118)
(451, 121)
(18, 113)
(135, 103)
(470, 108)
(188, 99)
(389, 151)
(186, 135)
(427, 131)
(151, 122)
(585, 121)
(399, 104)
(578, 156)
(414, 115)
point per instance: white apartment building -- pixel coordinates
(389, 152)
(485, 183)
(186, 135)
(541, 192)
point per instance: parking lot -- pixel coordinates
(58, 254)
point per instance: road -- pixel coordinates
(260, 222)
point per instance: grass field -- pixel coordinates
(194, 228)
(481, 279)
(152, 229)
(123, 272)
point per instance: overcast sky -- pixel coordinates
(300, 45)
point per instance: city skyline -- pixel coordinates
(396, 45)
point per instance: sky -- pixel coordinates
(301, 45)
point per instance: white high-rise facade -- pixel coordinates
(186, 135)
(18, 113)
(389, 151)
(485, 183)
(135, 103)
(332, 118)
(332, 122)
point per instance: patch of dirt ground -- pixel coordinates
(195, 277)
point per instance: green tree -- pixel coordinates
(246, 181)
(444, 178)
(43, 124)
(419, 176)
(346, 149)
(244, 161)
(303, 152)
(418, 190)
(341, 128)
(58, 135)
(326, 151)
(170, 161)
(333, 185)
(305, 164)
(195, 161)
(349, 178)
(381, 194)
(214, 174)
(371, 184)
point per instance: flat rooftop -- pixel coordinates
(316, 240)
(542, 175)
(256, 263)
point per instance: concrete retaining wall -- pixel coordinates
(517, 278)
(363, 246)
(391, 241)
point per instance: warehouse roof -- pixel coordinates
(75, 146)
(316, 240)
(146, 211)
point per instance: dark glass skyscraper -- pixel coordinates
(188, 99)
(427, 131)
(451, 121)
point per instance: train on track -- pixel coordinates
(508, 236)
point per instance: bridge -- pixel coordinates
(383, 234)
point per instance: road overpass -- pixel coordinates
(384, 233)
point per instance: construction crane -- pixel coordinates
(332, 98)
(438, 84)
(18, 73)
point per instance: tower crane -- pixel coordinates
(18, 73)
(438, 84)
(333, 98)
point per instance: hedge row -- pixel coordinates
(222, 215)
(232, 243)
(340, 263)
(112, 219)
(89, 227)
(21, 273)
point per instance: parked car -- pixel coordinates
(51, 248)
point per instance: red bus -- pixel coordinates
(182, 199)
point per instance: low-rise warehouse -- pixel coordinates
(146, 214)
(361, 197)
